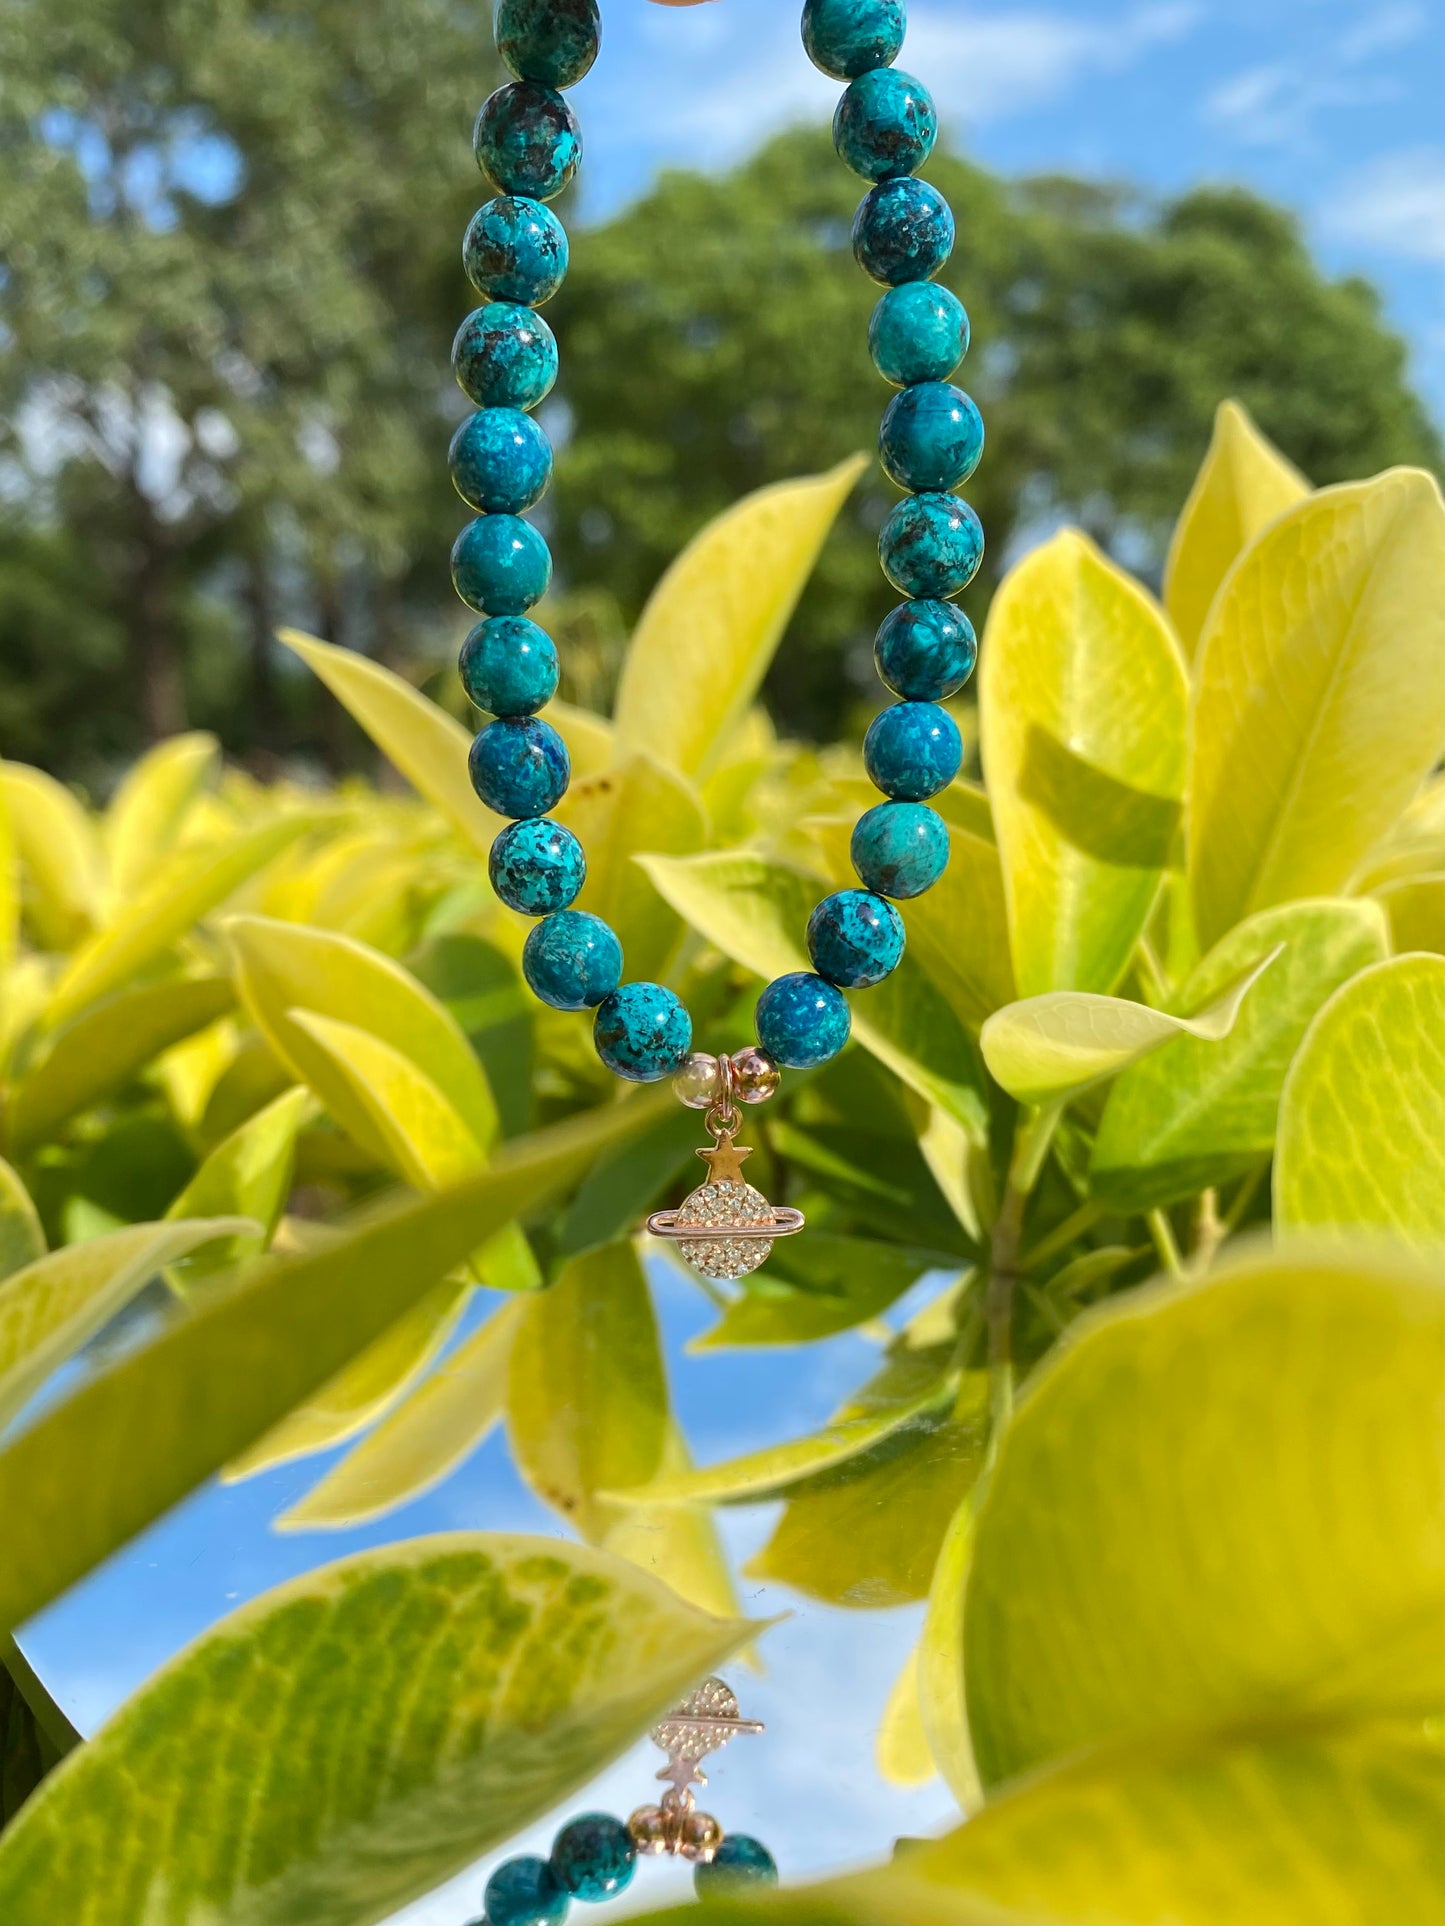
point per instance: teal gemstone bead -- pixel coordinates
(572, 961)
(643, 1033)
(849, 37)
(554, 41)
(739, 1861)
(526, 140)
(919, 332)
(855, 939)
(926, 651)
(537, 867)
(515, 249)
(594, 1857)
(931, 438)
(802, 1021)
(501, 565)
(525, 1892)
(501, 461)
(505, 356)
(903, 232)
(900, 849)
(886, 125)
(931, 546)
(912, 751)
(520, 767)
(509, 666)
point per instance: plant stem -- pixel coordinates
(1062, 1235)
(1031, 1146)
(1162, 1231)
(1152, 979)
(1210, 1231)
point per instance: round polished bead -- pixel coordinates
(537, 867)
(849, 37)
(515, 250)
(509, 666)
(885, 125)
(572, 961)
(900, 849)
(643, 1033)
(500, 461)
(525, 1892)
(554, 41)
(699, 1083)
(651, 1830)
(527, 140)
(855, 939)
(903, 232)
(802, 1021)
(756, 1077)
(931, 546)
(919, 332)
(699, 1836)
(505, 357)
(520, 767)
(926, 651)
(501, 565)
(931, 438)
(739, 1861)
(912, 751)
(594, 1856)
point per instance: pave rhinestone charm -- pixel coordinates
(725, 1229)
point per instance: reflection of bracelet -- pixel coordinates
(593, 1857)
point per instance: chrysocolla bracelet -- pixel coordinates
(528, 143)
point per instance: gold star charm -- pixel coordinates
(725, 1161)
(725, 1229)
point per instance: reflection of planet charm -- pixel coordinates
(725, 1229)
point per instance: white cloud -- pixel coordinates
(1296, 103)
(1392, 205)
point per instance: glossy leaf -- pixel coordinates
(1050, 1048)
(421, 1443)
(901, 1748)
(57, 853)
(52, 1305)
(280, 1770)
(706, 638)
(678, 1544)
(587, 1406)
(1198, 1113)
(149, 809)
(1082, 701)
(591, 740)
(1416, 908)
(638, 805)
(1318, 710)
(248, 1174)
(943, 1699)
(106, 1046)
(91, 1472)
(1244, 484)
(423, 742)
(756, 912)
(1157, 1553)
(819, 1286)
(1362, 1118)
(22, 1239)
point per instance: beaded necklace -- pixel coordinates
(515, 252)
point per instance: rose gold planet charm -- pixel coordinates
(705, 1722)
(725, 1229)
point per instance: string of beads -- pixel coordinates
(528, 143)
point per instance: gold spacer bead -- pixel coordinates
(651, 1830)
(699, 1083)
(701, 1837)
(755, 1076)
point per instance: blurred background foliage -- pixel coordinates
(232, 279)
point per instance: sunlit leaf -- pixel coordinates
(9, 903)
(58, 854)
(677, 1543)
(1416, 909)
(1244, 484)
(706, 638)
(281, 1768)
(638, 805)
(901, 1748)
(148, 811)
(1318, 710)
(21, 1238)
(837, 1283)
(248, 1174)
(591, 740)
(1362, 1118)
(617, 1193)
(1200, 1112)
(943, 1703)
(1082, 701)
(1050, 1048)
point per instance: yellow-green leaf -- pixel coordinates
(677, 1543)
(21, 1238)
(1318, 709)
(1198, 1113)
(587, 1398)
(149, 809)
(837, 1283)
(428, 746)
(901, 1748)
(349, 1741)
(90, 1472)
(591, 740)
(191, 884)
(1244, 484)
(706, 638)
(51, 1306)
(58, 853)
(282, 967)
(1362, 1118)
(422, 1442)
(9, 903)
(105, 1046)
(248, 1174)
(756, 912)
(1157, 1553)
(943, 1703)
(1050, 1048)
(1082, 700)
(638, 805)
(1416, 908)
